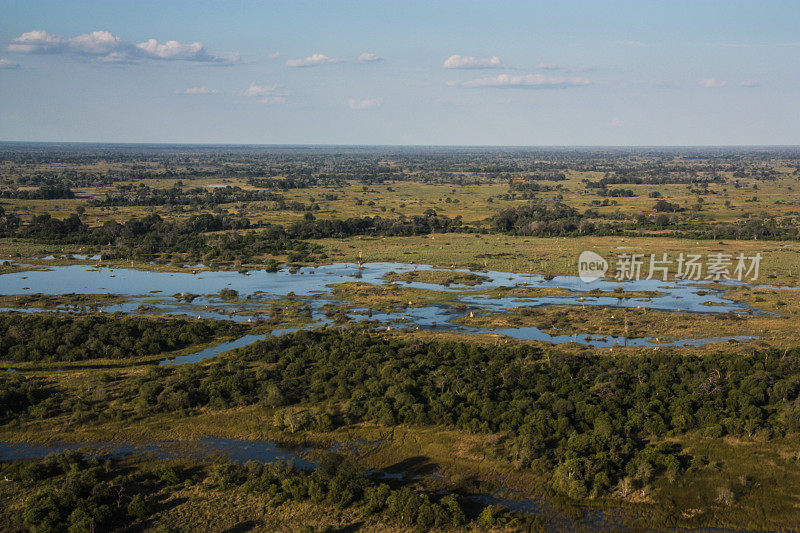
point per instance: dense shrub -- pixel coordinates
(59, 337)
(20, 394)
(78, 493)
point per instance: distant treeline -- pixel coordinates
(140, 237)
(69, 178)
(57, 191)
(125, 195)
(538, 218)
(429, 222)
(212, 237)
(299, 182)
(657, 178)
(283, 168)
(130, 195)
(558, 219)
(217, 236)
(527, 186)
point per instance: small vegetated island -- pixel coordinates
(384, 426)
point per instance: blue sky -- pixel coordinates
(378, 72)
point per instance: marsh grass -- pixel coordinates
(394, 295)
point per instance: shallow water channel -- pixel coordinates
(160, 293)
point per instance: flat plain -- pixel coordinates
(401, 411)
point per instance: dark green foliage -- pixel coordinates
(45, 192)
(202, 234)
(80, 501)
(663, 206)
(9, 222)
(80, 493)
(143, 195)
(151, 235)
(59, 337)
(537, 218)
(138, 507)
(588, 419)
(73, 492)
(341, 483)
(19, 395)
(429, 222)
(549, 220)
(229, 294)
(617, 193)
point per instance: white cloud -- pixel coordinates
(313, 60)
(274, 55)
(263, 94)
(458, 61)
(711, 83)
(367, 57)
(197, 90)
(172, 50)
(750, 83)
(107, 47)
(97, 43)
(36, 42)
(367, 103)
(8, 64)
(259, 90)
(527, 81)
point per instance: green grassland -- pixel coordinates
(780, 264)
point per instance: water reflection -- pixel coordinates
(162, 293)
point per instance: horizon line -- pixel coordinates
(355, 145)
